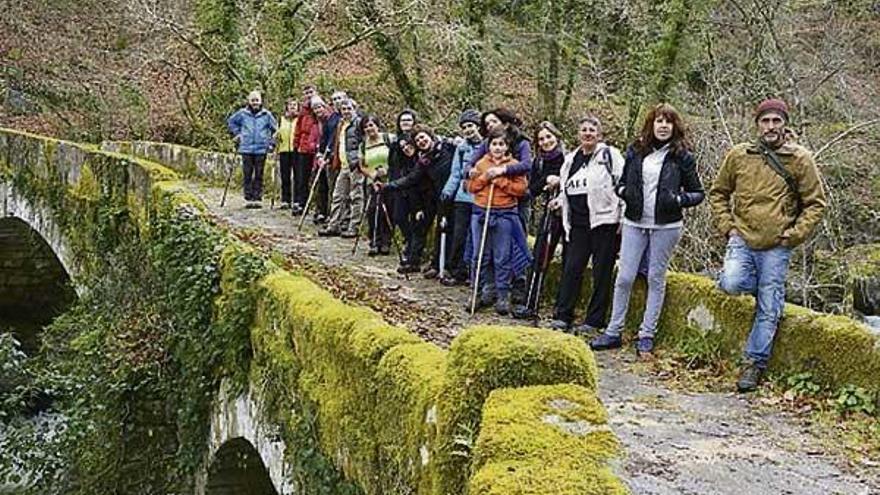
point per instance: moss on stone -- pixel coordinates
(485, 358)
(544, 439)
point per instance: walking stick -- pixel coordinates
(276, 174)
(393, 239)
(539, 266)
(311, 195)
(482, 248)
(443, 225)
(226, 188)
(357, 238)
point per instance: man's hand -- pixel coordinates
(785, 239)
(495, 172)
(319, 161)
(420, 215)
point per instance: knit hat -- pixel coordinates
(469, 115)
(772, 105)
(316, 101)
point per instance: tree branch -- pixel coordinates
(844, 134)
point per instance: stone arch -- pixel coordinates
(238, 469)
(36, 283)
(242, 446)
(40, 219)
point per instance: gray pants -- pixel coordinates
(348, 200)
(634, 241)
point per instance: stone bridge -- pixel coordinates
(502, 410)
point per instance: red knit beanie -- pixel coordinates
(772, 105)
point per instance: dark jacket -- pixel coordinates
(430, 172)
(328, 134)
(543, 167)
(679, 186)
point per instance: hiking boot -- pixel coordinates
(518, 291)
(430, 273)
(482, 302)
(328, 232)
(749, 378)
(296, 210)
(502, 305)
(258, 204)
(558, 324)
(374, 251)
(584, 329)
(407, 268)
(349, 234)
(604, 342)
(645, 346)
(384, 250)
(319, 219)
(522, 312)
(250, 205)
(284, 205)
(448, 281)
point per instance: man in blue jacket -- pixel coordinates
(252, 128)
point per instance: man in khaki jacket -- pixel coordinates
(767, 199)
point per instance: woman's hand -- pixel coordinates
(495, 172)
(555, 203)
(552, 182)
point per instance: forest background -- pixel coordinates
(172, 70)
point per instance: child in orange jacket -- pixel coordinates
(505, 234)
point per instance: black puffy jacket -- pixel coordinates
(679, 186)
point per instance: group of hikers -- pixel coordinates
(605, 207)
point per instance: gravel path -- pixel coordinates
(676, 442)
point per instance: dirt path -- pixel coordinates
(676, 442)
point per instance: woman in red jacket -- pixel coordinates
(306, 139)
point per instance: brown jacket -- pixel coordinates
(752, 198)
(508, 190)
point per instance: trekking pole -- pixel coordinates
(393, 239)
(276, 174)
(538, 268)
(443, 225)
(546, 255)
(376, 218)
(482, 248)
(357, 238)
(226, 187)
(311, 195)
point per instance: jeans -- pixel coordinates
(498, 246)
(252, 168)
(761, 274)
(635, 243)
(456, 265)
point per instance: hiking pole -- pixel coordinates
(311, 195)
(538, 268)
(546, 255)
(276, 174)
(357, 229)
(393, 239)
(376, 219)
(226, 188)
(482, 248)
(443, 225)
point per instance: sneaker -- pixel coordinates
(373, 251)
(319, 219)
(328, 232)
(604, 342)
(250, 204)
(448, 281)
(749, 378)
(502, 305)
(584, 329)
(296, 210)
(258, 204)
(349, 234)
(559, 325)
(645, 345)
(284, 205)
(482, 302)
(430, 273)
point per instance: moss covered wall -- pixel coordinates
(699, 319)
(364, 407)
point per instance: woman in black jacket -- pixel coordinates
(659, 180)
